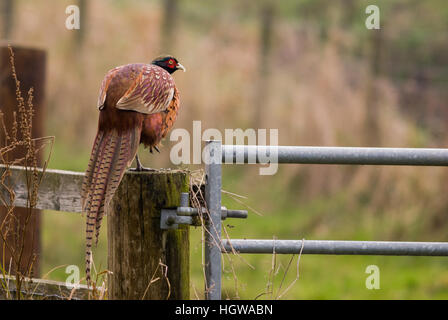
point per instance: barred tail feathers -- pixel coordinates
(112, 153)
(123, 158)
(88, 176)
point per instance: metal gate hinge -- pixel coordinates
(171, 218)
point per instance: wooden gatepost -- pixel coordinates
(147, 262)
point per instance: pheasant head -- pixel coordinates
(169, 63)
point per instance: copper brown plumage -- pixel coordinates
(138, 103)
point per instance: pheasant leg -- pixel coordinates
(139, 167)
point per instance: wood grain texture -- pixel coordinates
(39, 289)
(136, 242)
(60, 190)
(138, 249)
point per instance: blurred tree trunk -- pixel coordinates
(7, 17)
(375, 45)
(267, 16)
(349, 12)
(81, 33)
(372, 120)
(169, 23)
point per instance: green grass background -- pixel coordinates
(247, 276)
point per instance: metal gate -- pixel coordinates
(217, 154)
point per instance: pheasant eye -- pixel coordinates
(171, 61)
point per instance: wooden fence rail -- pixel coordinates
(39, 289)
(145, 261)
(59, 190)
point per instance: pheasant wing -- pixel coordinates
(151, 91)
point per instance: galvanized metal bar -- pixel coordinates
(225, 213)
(212, 246)
(334, 155)
(338, 247)
(176, 220)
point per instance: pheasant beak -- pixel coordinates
(180, 67)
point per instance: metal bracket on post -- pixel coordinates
(171, 218)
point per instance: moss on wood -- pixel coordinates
(147, 262)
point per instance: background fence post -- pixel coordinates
(30, 68)
(139, 251)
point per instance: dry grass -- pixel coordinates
(317, 96)
(19, 148)
(320, 98)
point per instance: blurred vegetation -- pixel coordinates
(324, 80)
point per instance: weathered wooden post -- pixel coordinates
(147, 262)
(30, 67)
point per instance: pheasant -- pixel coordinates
(138, 103)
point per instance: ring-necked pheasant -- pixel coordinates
(138, 103)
